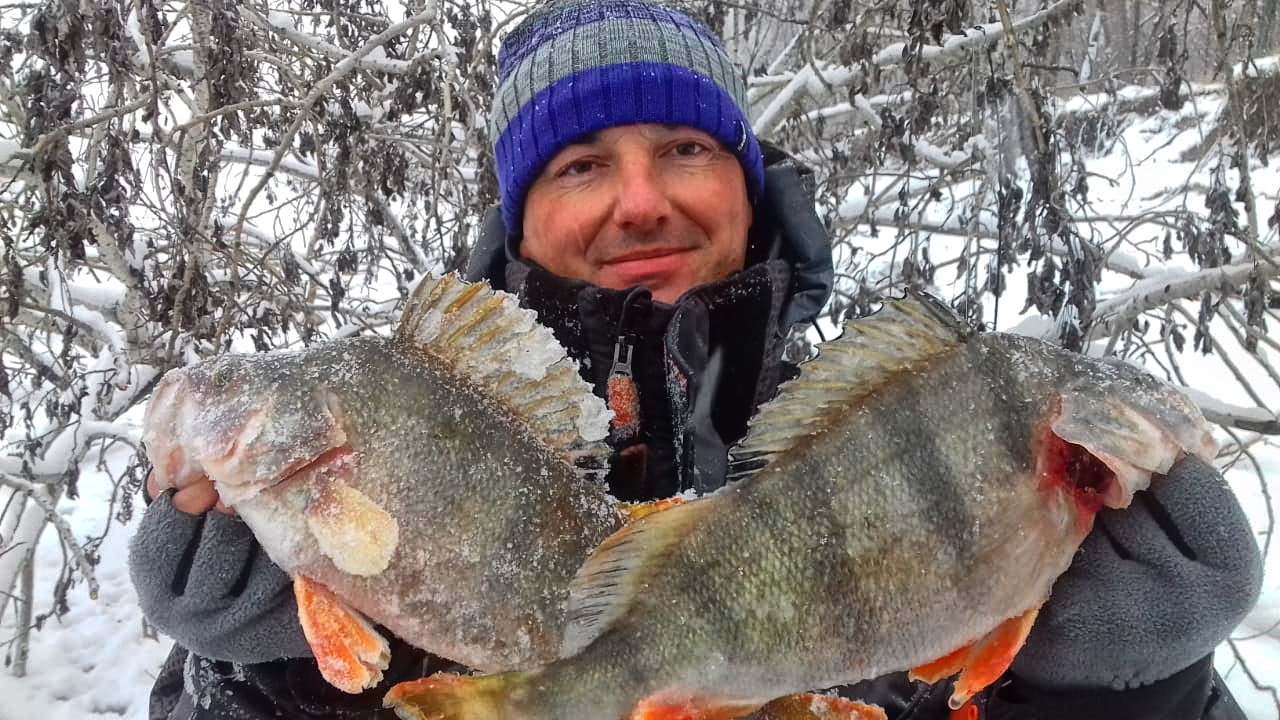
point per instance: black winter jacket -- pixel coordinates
(701, 367)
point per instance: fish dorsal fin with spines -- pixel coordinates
(621, 567)
(905, 333)
(486, 337)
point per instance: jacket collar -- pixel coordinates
(700, 366)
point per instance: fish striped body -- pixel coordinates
(902, 514)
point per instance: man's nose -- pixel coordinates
(642, 203)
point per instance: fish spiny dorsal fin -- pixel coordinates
(873, 350)
(620, 568)
(486, 337)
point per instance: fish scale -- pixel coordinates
(443, 483)
(906, 503)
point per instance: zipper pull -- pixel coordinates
(622, 352)
(623, 397)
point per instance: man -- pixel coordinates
(670, 252)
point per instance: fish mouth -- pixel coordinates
(324, 463)
(327, 463)
(190, 436)
(1107, 448)
(1087, 478)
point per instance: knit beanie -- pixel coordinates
(576, 67)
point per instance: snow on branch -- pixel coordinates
(978, 36)
(867, 108)
(20, 526)
(48, 505)
(261, 158)
(64, 451)
(341, 70)
(1117, 313)
(283, 23)
(1129, 98)
(1253, 419)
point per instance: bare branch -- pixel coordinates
(342, 69)
(1119, 312)
(976, 38)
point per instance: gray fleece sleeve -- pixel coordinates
(1153, 588)
(204, 581)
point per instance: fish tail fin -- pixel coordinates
(982, 662)
(457, 697)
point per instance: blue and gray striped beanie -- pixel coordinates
(575, 67)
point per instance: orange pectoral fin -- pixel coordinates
(809, 706)
(980, 663)
(350, 653)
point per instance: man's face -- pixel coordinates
(654, 205)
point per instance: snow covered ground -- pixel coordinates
(95, 662)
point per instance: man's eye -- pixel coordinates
(690, 148)
(577, 167)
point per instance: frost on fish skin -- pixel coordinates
(240, 420)
(465, 505)
(895, 495)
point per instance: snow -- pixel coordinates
(8, 150)
(95, 661)
(1257, 639)
(1257, 67)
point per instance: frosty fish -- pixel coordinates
(439, 482)
(905, 504)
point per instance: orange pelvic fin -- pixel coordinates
(446, 696)
(350, 652)
(632, 512)
(968, 711)
(810, 706)
(982, 662)
(943, 667)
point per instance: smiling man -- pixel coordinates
(671, 253)
(662, 206)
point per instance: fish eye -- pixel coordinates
(221, 376)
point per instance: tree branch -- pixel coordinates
(1119, 312)
(977, 37)
(342, 69)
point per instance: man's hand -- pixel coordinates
(194, 498)
(202, 579)
(1153, 588)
